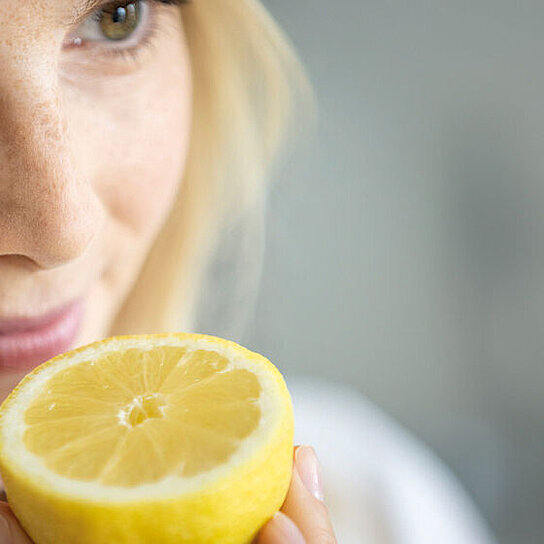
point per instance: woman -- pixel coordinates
(131, 134)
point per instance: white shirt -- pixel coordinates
(381, 486)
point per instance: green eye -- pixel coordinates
(119, 20)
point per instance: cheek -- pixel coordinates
(137, 143)
(142, 171)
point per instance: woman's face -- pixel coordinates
(95, 103)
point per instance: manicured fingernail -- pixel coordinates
(309, 471)
(285, 529)
(5, 531)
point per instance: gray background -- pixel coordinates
(405, 246)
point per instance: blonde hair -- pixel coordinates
(246, 82)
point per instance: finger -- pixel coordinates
(280, 530)
(304, 503)
(10, 530)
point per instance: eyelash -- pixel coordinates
(132, 53)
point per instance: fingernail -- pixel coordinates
(286, 530)
(309, 471)
(5, 531)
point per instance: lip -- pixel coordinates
(27, 342)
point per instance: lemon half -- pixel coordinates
(149, 439)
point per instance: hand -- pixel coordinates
(10, 530)
(303, 518)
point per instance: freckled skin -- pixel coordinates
(92, 153)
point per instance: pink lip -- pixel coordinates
(28, 342)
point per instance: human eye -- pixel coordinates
(119, 26)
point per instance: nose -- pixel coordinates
(49, 212)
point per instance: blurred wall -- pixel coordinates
(405, 246)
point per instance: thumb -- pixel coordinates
(11, 531)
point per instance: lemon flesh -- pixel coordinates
(171, 438)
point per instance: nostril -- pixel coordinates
(18, 261)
